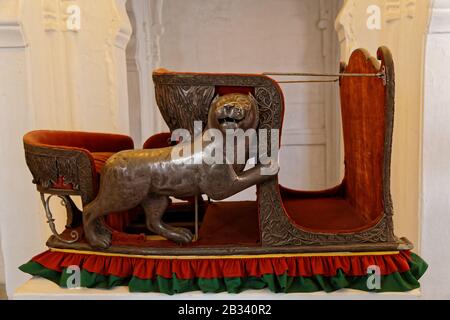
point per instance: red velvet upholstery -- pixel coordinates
(100, 159)
(159, 140)
(223, 90)
(323, 211)
(334, 214)
(92, 142)
(363, 117)
(225, 223)
(97, 146)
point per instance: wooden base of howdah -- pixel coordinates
(400, 245)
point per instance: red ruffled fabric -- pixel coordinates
(304, 266)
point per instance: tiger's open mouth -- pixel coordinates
(230, 116)
(229, 120)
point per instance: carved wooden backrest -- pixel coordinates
(367, 108)
(184, 98)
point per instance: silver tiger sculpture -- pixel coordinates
(149, 177)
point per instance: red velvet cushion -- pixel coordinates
(100, 159)
(90, 141)
(99, 147)
(227, 223)
(224, 90)
(333, 214)
(159, 140)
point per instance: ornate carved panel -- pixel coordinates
(48, 165)
(183, 99)
(184, 105)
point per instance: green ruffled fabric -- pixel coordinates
(396, 282)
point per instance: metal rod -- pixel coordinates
(308, 81)
(196, 218)
(302, 74)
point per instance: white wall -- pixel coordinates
(436, 155)
(20, 226)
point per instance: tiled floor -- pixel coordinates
(2, 292)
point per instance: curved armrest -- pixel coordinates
(64, 159)
(90, 141)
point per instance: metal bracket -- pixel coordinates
(51, 221)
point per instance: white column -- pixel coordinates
(436, 155)
(146, 57)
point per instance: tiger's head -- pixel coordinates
(234, 111)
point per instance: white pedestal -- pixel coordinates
(41, 289)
